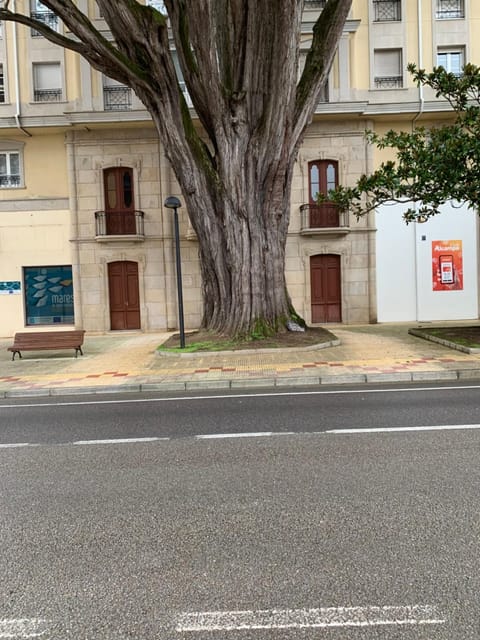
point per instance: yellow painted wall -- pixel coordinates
(45, 167)
(29, 239)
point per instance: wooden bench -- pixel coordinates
(41, 340)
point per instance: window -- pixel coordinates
(47, 82)
(40, 12)
(315, 4)
(388, 69)
(322, 178)
(48, 295)
(181, 81)
(2, 84)
(10, 175)
(116, 96)
(159, 5)
(448, 9)
(387, 10)
(452, 60)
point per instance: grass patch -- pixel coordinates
(468, 337)
(206, 341)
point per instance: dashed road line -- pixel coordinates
(254, 434)
(23, 628)
(438, 427)
(119, 441)
(371, 616)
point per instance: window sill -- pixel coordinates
(325, 231)
(121, 238)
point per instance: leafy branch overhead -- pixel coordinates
(432, 165)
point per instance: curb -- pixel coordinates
(248, 383)
(244, 352)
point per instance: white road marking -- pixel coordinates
(446, 427)
(22, 628)
(308, 618)
(233, 396)
(119, 440)
(258, 434)
(14, 445)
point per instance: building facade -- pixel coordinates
(84, 236)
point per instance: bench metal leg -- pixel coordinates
(77, 349)
(13, 354)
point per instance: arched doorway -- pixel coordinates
(325, 286)
(124, 295)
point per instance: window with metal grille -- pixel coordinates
(10, 175)
(387, 10)
(448, 9)
(388, 72)
(47, 82)
(38, 11)
(116, 96)
(2, 84)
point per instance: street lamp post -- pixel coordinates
(174, 203)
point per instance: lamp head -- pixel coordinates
(172, 202)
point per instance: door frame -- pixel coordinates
(122, 257)
(321, 251)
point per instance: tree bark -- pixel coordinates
(240, 63)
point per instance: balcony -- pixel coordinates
(47, 17)
(388, 82)
(323, 218)
(117, 98)
(9, 180)
(119, 225)
(47, 95)
(387, 10)
(450, 9)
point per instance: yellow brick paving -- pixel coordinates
(124, 359)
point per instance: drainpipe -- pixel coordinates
(18, 110)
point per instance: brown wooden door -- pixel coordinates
(119, 201)
(124, 295)
(326, 288)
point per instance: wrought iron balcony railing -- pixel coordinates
(47, 95)
(9, 180)
(47, 17)
(448, 9)
(388, 82)
(387, 10)
(119, 223)
(117, 98)
(322, 216)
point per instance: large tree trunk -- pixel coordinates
(240, 63)
(242, 234)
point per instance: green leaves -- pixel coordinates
(432, 165)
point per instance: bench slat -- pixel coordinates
(43, 340)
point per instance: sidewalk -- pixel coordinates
(123, 362)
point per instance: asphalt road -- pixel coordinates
(274, 516)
